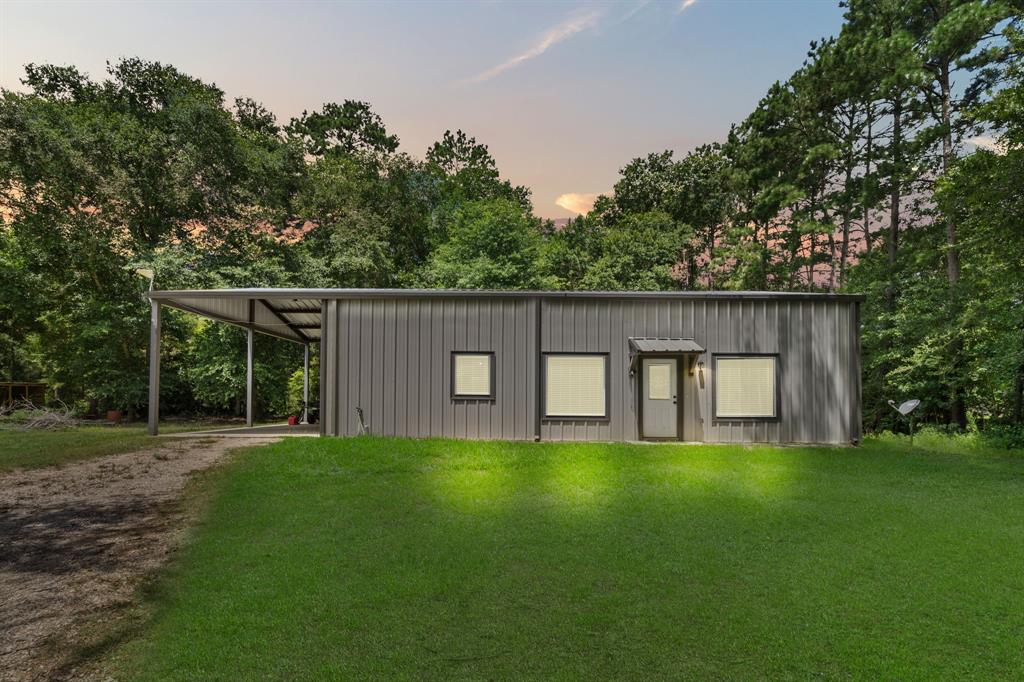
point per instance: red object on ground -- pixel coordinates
(293, 420)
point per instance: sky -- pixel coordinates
(563, 93)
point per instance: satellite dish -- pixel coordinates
(906, 407)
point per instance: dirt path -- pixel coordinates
(76, 541)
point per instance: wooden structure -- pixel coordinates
(14, 391)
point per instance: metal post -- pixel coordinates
(154, 367)
(305, 384)
(248, 379)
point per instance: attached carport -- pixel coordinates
(290, 314)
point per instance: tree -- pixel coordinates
(492, 244)
(695, 192)
(97, 177)
(950, 38)
(640, 253)
(466, 171)
(349, 128)
(981, 195)
(567, 253)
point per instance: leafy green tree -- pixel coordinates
(640, 253)
(466, 171)
(951, 39)
(761, 240)
(20, 304)
(97, 177)
(492, 244)
(567, 253)
(695, 191)
(349, 128)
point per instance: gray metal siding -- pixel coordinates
(391, 356)
(815, 340)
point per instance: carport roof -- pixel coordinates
(293, 318)
(294, 314)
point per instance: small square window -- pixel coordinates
(472, 375)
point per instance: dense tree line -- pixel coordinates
(851, 175)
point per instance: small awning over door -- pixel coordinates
(659, 346)
(663, 345)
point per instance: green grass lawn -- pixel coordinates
(30, 449)
(378, 558)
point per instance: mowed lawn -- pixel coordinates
(378, 558)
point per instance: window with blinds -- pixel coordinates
(472, 375)
(745, 387)
(575, 386)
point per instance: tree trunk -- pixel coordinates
(811, 249)
(952, 255)
(711, 259)
(894, 198)
(867, 178)
(957, 405)
(1018, 397)
(810, 259)
(831, 260)
(844, 247)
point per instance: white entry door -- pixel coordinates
(660, 403)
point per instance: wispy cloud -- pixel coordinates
(684, 5)
(551, 37)
(987, 142)
(576, 202)
(633, 12)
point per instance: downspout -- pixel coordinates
(540, 370)
(249, 353)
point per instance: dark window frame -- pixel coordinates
(469, 397)
(715, 357)
(606, 417)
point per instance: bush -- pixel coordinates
(1003, 436)
(942, 438)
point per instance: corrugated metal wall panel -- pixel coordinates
(392, 358)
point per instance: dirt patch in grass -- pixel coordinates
(77, 541)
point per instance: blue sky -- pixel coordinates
(563, 93)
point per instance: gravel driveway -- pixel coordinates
(77, 540)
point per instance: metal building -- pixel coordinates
(612, 366)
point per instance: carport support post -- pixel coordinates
(248, 379)
(154, 367)
(305, 384)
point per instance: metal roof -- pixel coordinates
(664, 345)
(270, 293)
(294, 314)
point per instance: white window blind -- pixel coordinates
(659, 381)
(575, 386)
(745, 387)
(472, 374)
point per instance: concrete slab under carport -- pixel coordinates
(299, 430)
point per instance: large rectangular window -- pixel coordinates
(745, 387)
(472, 375)
(576, 386)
